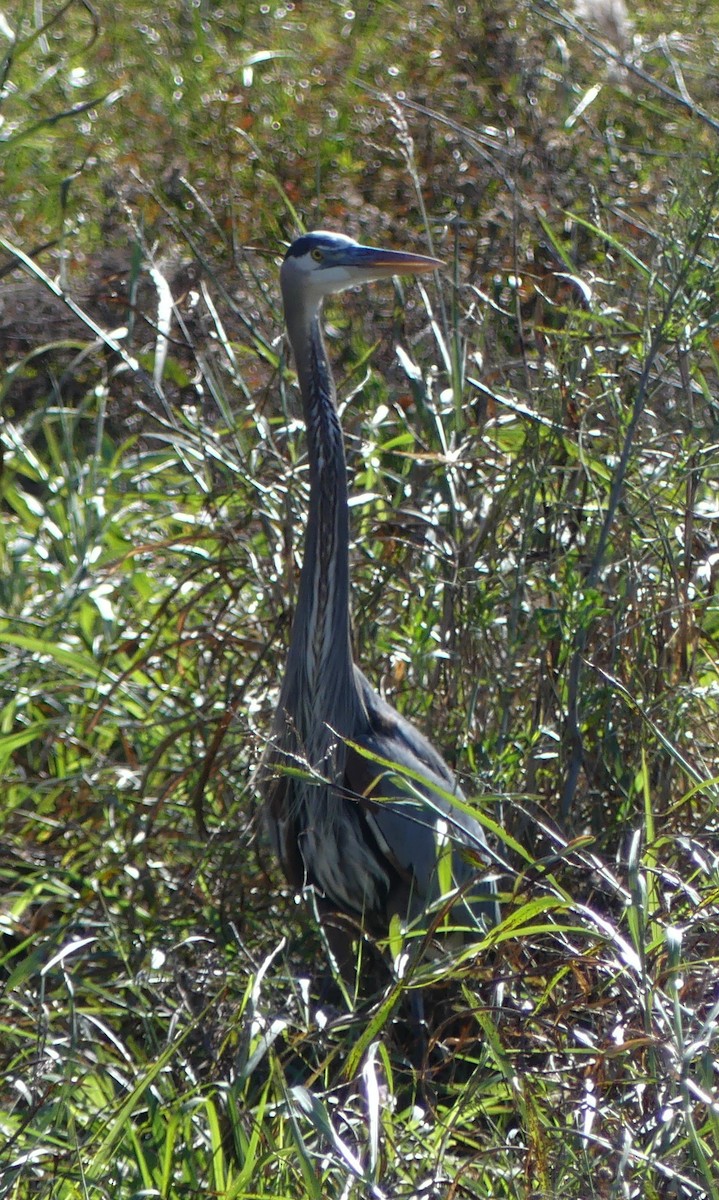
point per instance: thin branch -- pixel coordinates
(558, 16)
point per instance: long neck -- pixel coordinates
(320, 644)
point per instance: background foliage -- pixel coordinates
(532, 443)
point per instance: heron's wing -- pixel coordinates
(405, 825)
(322, 837)
(279, 811)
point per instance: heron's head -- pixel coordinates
(320, 263)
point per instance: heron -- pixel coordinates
(357, 800)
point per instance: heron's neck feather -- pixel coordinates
(321, 636)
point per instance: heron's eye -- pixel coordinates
(317, 254)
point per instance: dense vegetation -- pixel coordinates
(533, 446)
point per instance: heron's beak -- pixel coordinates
(391, 262)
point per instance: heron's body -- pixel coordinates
(363, 835)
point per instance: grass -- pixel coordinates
(534, 572)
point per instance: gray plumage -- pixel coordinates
(366, 857)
